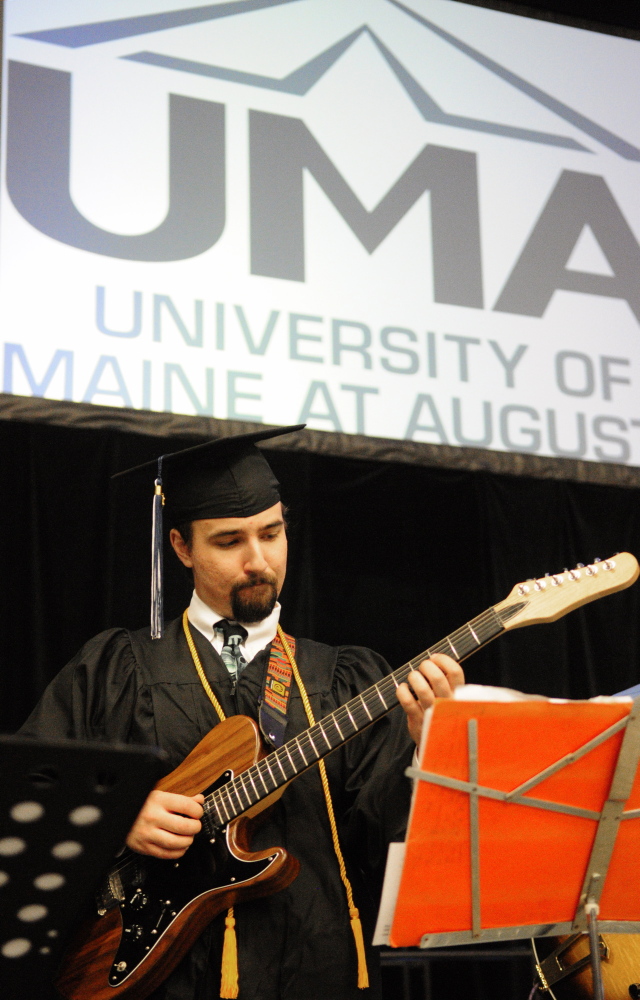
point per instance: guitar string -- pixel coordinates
(348, 711)
(221, 799)
(356, 711)
(307, 741)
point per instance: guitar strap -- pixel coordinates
(272, 713)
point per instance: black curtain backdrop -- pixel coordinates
(391, 556)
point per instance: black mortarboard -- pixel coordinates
(225, 477)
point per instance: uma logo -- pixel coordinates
(282, 148)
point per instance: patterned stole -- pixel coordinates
(275, 696)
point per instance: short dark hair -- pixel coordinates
(186, 532)
(186, 529)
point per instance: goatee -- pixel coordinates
(254, 601)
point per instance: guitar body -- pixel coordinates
(620, 964)
(164, 906)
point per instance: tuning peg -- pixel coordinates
(580, 566)
(597, 559)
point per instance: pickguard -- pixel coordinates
(163, 889)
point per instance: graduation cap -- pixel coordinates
(224, 477)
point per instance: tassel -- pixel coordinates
(356, 927)
(229, 979)
(157, 610)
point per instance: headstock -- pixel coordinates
(550, 597)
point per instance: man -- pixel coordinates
(228, 528)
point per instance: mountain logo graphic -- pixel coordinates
(301, 80)
(282, 149)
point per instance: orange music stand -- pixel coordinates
(525, 822)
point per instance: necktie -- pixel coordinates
(233, 634)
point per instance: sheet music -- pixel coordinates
(392, 873)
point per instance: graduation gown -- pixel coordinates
(296, 944)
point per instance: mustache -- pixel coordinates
(255, 580)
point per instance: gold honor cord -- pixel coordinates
(356, 926)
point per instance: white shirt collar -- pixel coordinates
(202, 617)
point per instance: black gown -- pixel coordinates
(296, 944)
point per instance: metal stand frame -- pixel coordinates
(609, 819)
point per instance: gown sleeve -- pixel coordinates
(96, 696)
(376, 793)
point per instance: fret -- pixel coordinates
(353, 723)
(464, 642)
(286, 747)
(259, 773)
(226, 811)
(325, 736)
(240, 785)
(302, 763)
(275, 755)
(310, 738)
(453, 649)
(265, 763)
(253, 785)
(240, 782)
(379, 693)
(232, 791)
(364, 705)
(335, 722)
(357, 718)
(301, 752)
(470, 627)
(389, 685)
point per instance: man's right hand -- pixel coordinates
(166, 824)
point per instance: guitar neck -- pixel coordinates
(331, 732)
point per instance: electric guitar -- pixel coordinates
(149, 912)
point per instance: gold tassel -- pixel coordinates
(356, 927)
(229, 979)
(229, 971)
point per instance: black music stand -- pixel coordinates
(65, 811)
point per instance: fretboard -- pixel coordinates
(331, 732)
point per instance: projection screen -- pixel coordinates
(411, 220)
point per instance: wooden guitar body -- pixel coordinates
(159, 907)
(620, 964)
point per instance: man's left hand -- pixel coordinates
(437, 677)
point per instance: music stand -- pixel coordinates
(525, 822)
(65, 811)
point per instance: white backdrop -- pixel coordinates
(493, 299)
